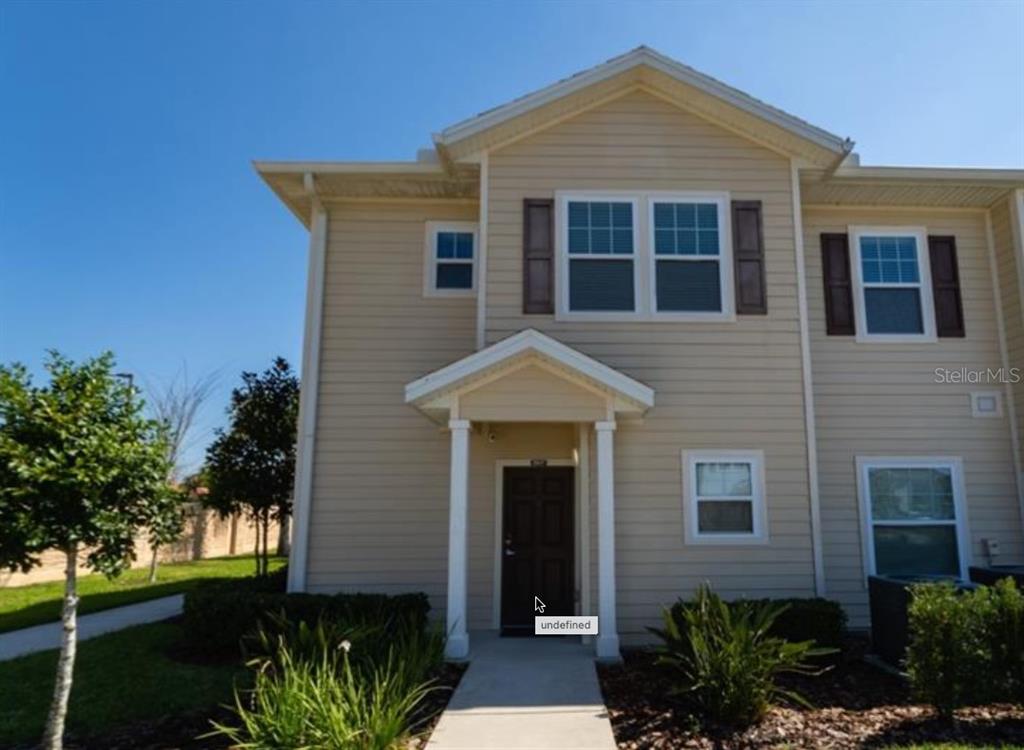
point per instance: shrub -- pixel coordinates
(966, 647)
(312, 690)
(217, 617)
(727, 658)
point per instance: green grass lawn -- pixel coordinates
(24, 606)
(120, 678)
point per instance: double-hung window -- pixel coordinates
(893, 300)
(644, 256)
(913, 514)
(688, 273)
(600, 241)
(724, 497)
(450, 259)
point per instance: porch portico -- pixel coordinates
(532, 378)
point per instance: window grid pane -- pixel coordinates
(600, 228)
(454, 245)
(889, 260)
(684, 229)
(912, 494)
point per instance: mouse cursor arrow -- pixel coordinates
(538, 605)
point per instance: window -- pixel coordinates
(914, 517)
(450, 259)
(687, 257)
(600, 247)
(724, 498)
(894, 297)
(643, 256)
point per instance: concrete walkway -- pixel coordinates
(43, 637)
(526, 694)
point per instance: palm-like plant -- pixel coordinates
(726, 658)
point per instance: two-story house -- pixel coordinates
(639, 330)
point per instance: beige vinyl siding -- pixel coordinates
(880, 399)
(1008, 258)
(718, 385)
(379, 516)
(547, 394)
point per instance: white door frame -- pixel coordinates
(499, 512)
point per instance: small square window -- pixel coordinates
(724, 498)
(450, 259)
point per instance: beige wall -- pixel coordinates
(379, 518)
(876, 399)
(718, 385)
(1006, 243)
(205, 535)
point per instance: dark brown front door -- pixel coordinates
(537, 545)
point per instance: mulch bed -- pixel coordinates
(856, 706)
(182, 732)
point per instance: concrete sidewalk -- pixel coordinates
(43, 637)
(526, 694)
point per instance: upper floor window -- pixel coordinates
(687, 256)
(893, 299)
(643, 256)
(450, 259)
(913, 515)
(724, 497)
(601, 263)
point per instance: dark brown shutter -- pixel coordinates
(538, 255)
(835, 262)
(748, 257)
(949, 311)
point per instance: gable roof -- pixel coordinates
(630, 395)
(647, 69)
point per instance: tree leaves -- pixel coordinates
(79, 464)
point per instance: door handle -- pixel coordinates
(510, 552)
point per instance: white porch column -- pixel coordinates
(608, 631)
(458, 524)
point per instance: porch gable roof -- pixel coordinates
(432, 392)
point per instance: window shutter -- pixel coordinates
(949, 311)
(835, 262)
(748, 257)
(538, 256)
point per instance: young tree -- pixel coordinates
(250, 466)
(80, 468)
(175, 406)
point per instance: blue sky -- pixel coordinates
(130, 216)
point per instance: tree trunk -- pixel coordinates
(266, 542)
(53, 739)
(256, 523)
(284, 541)
(152, 564)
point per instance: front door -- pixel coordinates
(537, 545)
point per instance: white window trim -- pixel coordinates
(759, 512)
(562, 201)
(643, 255)
(433, 228)
(724, 257)
(920, 235)
(953, 463)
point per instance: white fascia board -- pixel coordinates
(347, 167)
(637, 57)
(530, 340)
(1007, 177)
